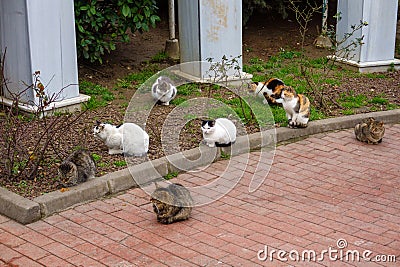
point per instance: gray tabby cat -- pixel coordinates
(77, 168)
(163, 90)
(370, 131)
(172, 203)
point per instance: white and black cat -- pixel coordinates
(127, 138)
(219, 132)
(163, 90)
(77, 168)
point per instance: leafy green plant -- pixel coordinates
(171, 175)
(96, 157)
(225, 155)
(101, 24)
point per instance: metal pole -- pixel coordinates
(172, 44)
(171, 13)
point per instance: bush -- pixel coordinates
(101, 24)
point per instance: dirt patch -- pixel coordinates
(262, 38)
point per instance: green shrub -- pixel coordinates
(100, 24)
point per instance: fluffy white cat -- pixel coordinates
(127, 138)
(219, 132)
(163, 90)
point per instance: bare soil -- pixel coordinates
(262, 38)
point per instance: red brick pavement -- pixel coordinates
(319, 190)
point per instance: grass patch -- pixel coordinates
(179, 101)
(379, 100)
(353, 101)
(99, 96)
(120, 163)
(159, 57)
(189, 89)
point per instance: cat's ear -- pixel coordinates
(98, 122)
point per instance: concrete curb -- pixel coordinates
(27, 211)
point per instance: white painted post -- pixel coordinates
(377, 51)
(209, 29)
(39, 35)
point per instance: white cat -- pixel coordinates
(163, 90)
(127, 138)
(219, 132)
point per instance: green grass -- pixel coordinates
(123, 83)
(353, 101)
(159, 57)
(189, 116)
(189, 89)
(178, 101)
(120, 163)
(139, 78)
(171, 175)
(379, 100)
(99, 96)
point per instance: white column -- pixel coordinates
(209, 29)
(39, 35)
(378, 48)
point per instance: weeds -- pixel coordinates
(99, 96)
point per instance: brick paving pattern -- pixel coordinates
(319, 190)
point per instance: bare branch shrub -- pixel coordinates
(30, 141)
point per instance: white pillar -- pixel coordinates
(39, 35)
(209, 29)
(378, 48)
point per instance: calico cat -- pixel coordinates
(219, 132)
(127, 138)
(370, 131)
(297, 107)
(163, 90)
(172, 203)
(77, 168)
(270, 90)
